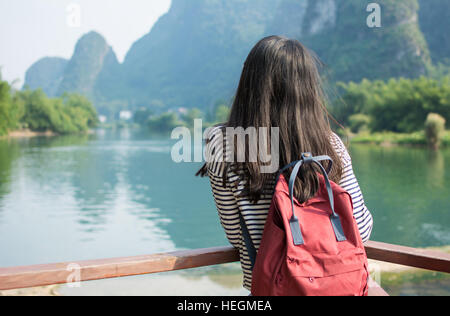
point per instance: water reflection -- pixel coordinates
(72, 198)
(182, 199)
(8, 153)
(407, 191)
(118, 193)
(435, 170)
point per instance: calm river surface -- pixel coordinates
(118, 193)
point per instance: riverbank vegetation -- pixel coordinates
(167, 121)
(33, 110)
(399, 111)
(390, 138)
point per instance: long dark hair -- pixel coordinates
(280, 86)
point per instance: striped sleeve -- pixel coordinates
(228, 210)
(230, 203)
(224, 199)
(349, 183)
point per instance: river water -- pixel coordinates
(118, 193)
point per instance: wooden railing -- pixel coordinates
(58, 273)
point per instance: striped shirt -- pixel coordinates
(230, 202)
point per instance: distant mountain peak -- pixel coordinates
(92, 37)
(47, 73)
(87, 62)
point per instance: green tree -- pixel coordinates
(359, 122)
(221, 114)
(164, 122)
(71, 113)
(5, 107)
(142, 115)
(191, 115)
(434, 129)
(74, 100)
(399, 105)
(38, 110)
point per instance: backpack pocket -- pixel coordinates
(319, 265)
(351, 283)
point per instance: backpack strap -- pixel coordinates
(292, 164)
(251, 250)
(307, 158)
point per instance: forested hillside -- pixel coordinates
(193, 55)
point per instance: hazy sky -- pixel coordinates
(31, 29)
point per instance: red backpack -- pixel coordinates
(309, 249)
